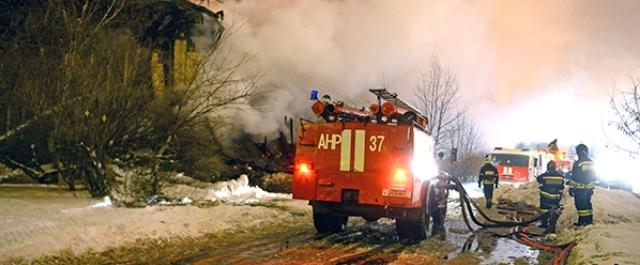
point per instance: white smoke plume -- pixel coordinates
(528, 69)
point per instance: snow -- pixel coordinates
(183, 201)
(615, 235)
(186, 200)
(616, 243)
(472, 190)
(43, 220)
(475, 192)
(181, 189)
(106, 202)
(239, 192)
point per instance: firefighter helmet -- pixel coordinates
(326, 99)
(488, 159)
(582, 150)
(551, 166)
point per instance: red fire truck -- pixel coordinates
(370, 163)
(515, 165)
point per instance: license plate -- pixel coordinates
(396, 193)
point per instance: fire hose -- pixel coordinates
(561, 251)
(464, 197)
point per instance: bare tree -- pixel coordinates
(64, 69)
(437, 93)
(465, 137)
(87, 82)
(627, 110)
(218, 82)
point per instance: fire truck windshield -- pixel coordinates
(511, 160)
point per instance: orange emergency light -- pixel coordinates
(400, 176)
(374, 108)
(304, 168)
(317, 107)
(388, 108)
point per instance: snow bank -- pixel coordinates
(609, 206)
(235, 192)
(238, 192)
(106, 202)
(613, 239)
(605, 244)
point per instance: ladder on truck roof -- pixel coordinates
(383, 93)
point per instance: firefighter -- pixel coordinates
(581, 185)
(551, 186)
(489, 178)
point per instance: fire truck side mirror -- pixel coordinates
(454, 154)
(441, 155)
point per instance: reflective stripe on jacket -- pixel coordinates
(550, 195)
(587, 212)
(551, 184)
(583, 174)
(488, 175)
(577, 185)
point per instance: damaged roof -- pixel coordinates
(155, 23)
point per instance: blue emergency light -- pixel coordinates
(314, 94)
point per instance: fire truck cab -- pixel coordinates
(515, 165)
(370, 163)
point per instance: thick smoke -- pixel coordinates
(528, 70)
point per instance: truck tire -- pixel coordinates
(414, 230)
(327, 224)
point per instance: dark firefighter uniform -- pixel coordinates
(489, 178)
(551, 186)
(581, 185)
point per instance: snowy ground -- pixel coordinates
(615, 237)
(43, 220)
(36, 220)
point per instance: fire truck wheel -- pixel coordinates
(329, 223)
(413, 230)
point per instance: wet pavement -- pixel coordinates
(489, 248)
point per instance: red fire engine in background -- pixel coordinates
(515, 165)
(370, 163)
(523, 165)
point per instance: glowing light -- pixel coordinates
(423, 165)
(304, 168)
(616, 166)
(400, 176)
(579, 118)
